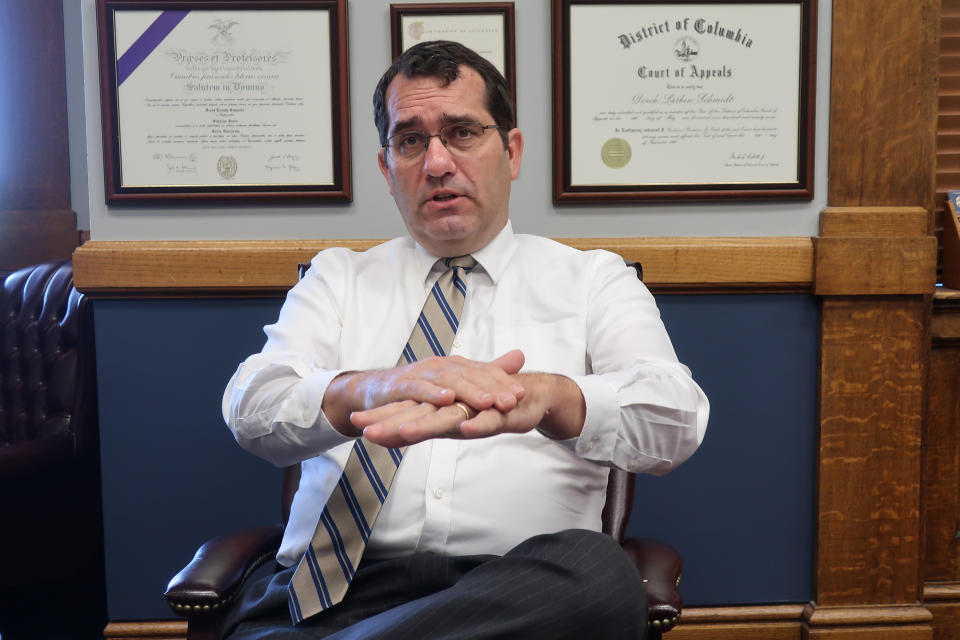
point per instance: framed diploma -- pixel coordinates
(485, 27)
(224, 100)
(670, 100)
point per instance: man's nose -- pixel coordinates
(437, 160)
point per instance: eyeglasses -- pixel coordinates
(461, 137)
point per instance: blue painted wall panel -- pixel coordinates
(741, 511)
(172, 474)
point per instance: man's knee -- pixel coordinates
(594, 566)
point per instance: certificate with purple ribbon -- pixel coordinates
(226, 101)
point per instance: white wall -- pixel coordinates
(372, 212)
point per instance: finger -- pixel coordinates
(443, 423)
(420, 389)
(441, 380)
(387, 432)
(416, 426)
(511, 362)
(483, 425)
(361, 419)
(486, 385)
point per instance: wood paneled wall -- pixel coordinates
(36, 221)
(876, 281)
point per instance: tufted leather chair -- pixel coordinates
(50, 511)
(221, 566)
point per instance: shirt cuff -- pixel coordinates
(303, 408)
(597, 439)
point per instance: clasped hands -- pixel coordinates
(451, 397)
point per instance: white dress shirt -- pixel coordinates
(581, 314)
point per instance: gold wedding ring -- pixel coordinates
(465, 409)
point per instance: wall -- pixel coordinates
(372, 213)
(741, 508)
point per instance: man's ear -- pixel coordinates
(515, 151)
(382, 160)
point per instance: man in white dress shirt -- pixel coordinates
(560, 368)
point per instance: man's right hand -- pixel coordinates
(438, 381)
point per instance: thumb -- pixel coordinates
(511, 362)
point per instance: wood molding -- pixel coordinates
(151, 629)
(873, 222)
(945, 327)
(870, 616)
(268, 267)
(883, 103)
(945, 591)
(943, 601)
(875, 251)
(29, 237)
(903, 622)
(875, 266)
(756, 622)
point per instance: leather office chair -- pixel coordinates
(221, 566)
(50, 506)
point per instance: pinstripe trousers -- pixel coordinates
(572, 584)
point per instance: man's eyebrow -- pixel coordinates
(451, 119)
(417, 122)
(406, 124)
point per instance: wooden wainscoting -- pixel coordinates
(774, 622)
(269, 267)
(941, 469)
(146, 629)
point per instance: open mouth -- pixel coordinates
(443, 197)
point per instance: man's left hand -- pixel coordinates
(553, 403)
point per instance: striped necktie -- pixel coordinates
(327, 567)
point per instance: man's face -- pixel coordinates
(452, 203)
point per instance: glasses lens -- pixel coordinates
(408, 144)
(462, 136)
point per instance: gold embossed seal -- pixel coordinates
(616, 153)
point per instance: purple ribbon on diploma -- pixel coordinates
(147, 42)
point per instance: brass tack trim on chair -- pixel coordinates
(664, 625)
(181, 609)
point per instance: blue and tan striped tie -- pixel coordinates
(327, 567)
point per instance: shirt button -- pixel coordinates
(457, 344)
(438, 493)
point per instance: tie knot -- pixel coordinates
(460, 262)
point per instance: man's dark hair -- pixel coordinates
(442, 59)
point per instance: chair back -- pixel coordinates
(46, 368)
(49, 442)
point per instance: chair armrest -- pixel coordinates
(219, 569)
(660, 566)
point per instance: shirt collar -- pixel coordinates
(493, 258)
